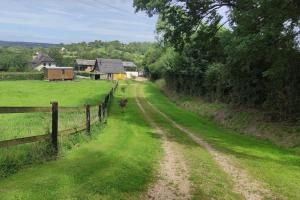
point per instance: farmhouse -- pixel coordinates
(130, 69)
(58, 73)
(41, 60)
(111, 69)
(84, 65)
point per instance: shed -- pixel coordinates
(84, 65)
(58, 73)
(111, 69)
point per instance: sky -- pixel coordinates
(67, 21)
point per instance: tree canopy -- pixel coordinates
(248, 57)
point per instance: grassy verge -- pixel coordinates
(249, 121)
(118, 164)
(208, 180)
(276, 166)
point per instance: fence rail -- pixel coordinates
(55, 109)
(8, 110)
(25, 140)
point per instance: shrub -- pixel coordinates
(21, 75)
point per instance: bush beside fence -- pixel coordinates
(55, 109)
(21, 76)
(81, 73)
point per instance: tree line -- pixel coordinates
(243, 52)
(18, 59)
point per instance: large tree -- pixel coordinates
(260, 59)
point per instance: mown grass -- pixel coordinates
(278, 167)
(118, 164)
(208, 180)
(41, 93)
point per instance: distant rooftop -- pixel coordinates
(128, 64)
(109, 66)
(85, 62)
(41, 58)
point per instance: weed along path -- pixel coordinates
(172, 177)
(251, 189)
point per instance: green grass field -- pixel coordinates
(117, 164)
(41, 93)
(276, 166)
(120, 159)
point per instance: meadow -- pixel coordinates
(41, 93)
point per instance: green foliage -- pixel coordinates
(215, 83)
(85, 74)
(259, 54)
(14, 59)
(19, 59)
(21, 76)
(134, 51)
(56, 55)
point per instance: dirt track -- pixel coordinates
(244, 184)
(172, 176)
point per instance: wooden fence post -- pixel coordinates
(54, 132)
(88, 118)
(100, 112)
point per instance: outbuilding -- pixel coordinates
(111, 69)
(58, 73)
(130, 69)
(84, 65)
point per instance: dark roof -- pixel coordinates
(41, 58)
(109, 66)
(85, 62)
(128, 64)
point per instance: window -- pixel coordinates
(44, 64)
(50, 64)
(63, 71)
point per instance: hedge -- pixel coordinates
(21, 76)
(81, 73)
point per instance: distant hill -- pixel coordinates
(26, 44)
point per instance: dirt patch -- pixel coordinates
(250, 188)
(172, 176)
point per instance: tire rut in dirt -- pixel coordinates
(244, 184)
(172, 176)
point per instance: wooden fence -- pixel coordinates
(54, 110)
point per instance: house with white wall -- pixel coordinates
(130, 69)
(41, 61)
